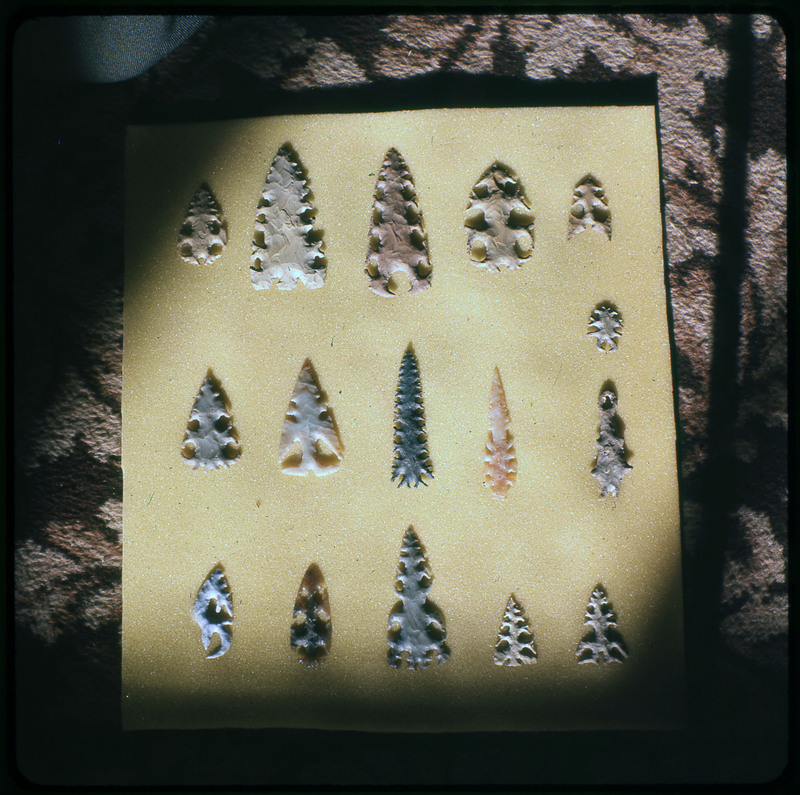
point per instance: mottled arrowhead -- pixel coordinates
(416, 627)
(412, 464)
(397, 242)
(213, 612)
(311, 630)
(611, 465)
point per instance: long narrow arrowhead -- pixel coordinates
(412, 464)
(500, 463)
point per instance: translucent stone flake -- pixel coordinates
(514, 640)
(611, 464)
(500, 463)
(210, 441)
(213, 612)
(412, 463)
(204, 233)
(607, 327)
(310, 635)
(397, 242)
(589, 208)
(603, 643)
(416, 627)
(285, 248)
(499, 221)
(309, 442)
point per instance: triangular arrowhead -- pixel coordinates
(308, 423)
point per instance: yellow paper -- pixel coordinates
(550, 542)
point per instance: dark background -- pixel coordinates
(66, 145)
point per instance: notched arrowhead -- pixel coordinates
(213, 612)
(412, 463)
(500, 462)
(309, 441)
(311, 629)
(603, 643)
(514, 644)
(211, 441)
(611, 465)
(499, 221)
(286, 249)
(204, 233)
(397, 241)
(606, 327)
(589, 208)
(416, 628)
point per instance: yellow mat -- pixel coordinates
(550, 542)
